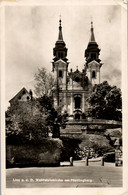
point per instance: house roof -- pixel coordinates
(18, 94)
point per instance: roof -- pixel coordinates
(92, 38)
(60, 37)
(19, 93)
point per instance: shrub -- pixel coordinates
(45, 153)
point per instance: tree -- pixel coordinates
(44, 82)
(25, 121)
(105, 102)
(54, 117)
(98, 144)
(33, 119)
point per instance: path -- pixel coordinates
(66, 176)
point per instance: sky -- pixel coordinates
(31, 33)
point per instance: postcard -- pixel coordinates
(64, 97)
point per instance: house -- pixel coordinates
(22, 96)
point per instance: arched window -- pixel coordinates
(60, 54)
(93, 56)
(93, 74)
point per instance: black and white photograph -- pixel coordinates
(64, 66)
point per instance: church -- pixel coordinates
(74, 87)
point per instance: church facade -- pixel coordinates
(74, 87)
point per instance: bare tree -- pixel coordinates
(45, 82)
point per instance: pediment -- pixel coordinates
(60, 61)
(93, 63)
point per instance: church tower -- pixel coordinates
(60, 50)
(60, 67)
(60, 64)
(93, 63)
(73, 88)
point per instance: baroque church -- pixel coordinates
(74, 87)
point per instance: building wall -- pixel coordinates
(67, 100)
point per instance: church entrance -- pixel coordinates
(77, 102)
(77, 116)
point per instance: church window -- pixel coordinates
(77, 79)
(77, 102)
(93, 74)
(19, 97)
(27, 97)
(60, 55)
(60, 73)
(93, 56)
